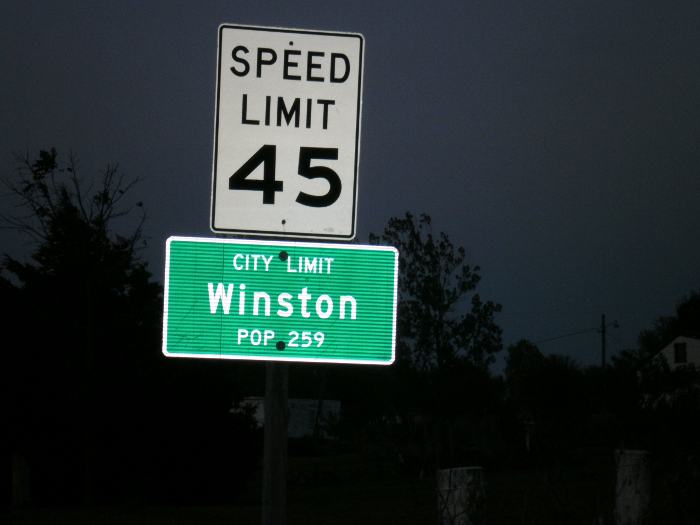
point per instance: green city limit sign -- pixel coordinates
(280, 301)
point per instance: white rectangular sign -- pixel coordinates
(286, 149)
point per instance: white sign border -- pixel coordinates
(358, 127)
(166, 288)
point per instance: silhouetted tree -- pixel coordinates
(97, 413)
(686, 321)
(446, 338)
(550, 396)
(656, 383)
(86, 308)
(441, 318)
(668, 422)
(524, 366)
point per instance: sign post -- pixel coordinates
(286, 152)
(279, 301)
(274, 495)
(286, 156)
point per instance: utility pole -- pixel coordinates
(602, 341)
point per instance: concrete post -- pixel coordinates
(461, 496)
(633, 487)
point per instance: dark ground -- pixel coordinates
(350, 489)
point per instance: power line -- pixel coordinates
(602, 330)
(587, 331)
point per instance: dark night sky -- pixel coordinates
(559, 142)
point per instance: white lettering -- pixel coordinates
(220, 295)
(324, 314)
(241, 299)
(324, 305)
(345, 299)
(304, 296)
(267, 261)
(243, 261)
(256, 302)
(310, 264)
(283, 300)
(328, 260)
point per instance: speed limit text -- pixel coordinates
(292, 65)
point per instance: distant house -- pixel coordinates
(682, 352)
(306, 416)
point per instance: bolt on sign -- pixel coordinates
(286, 146)
(280, 301)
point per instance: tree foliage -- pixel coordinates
(686, 321)
(84, 308)
(50, 194)
(80, 265)
(441, 318)
(446, 338)
(86, 378)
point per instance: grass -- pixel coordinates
(348, 490)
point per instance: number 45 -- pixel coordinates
(267, 156)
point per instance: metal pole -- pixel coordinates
(274, 490)
(602, 341)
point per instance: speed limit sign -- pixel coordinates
(286, 152)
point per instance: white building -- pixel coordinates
(305, 415)
(682, 352)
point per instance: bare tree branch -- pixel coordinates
(44, 193)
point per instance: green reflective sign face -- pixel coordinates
(279, 301)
